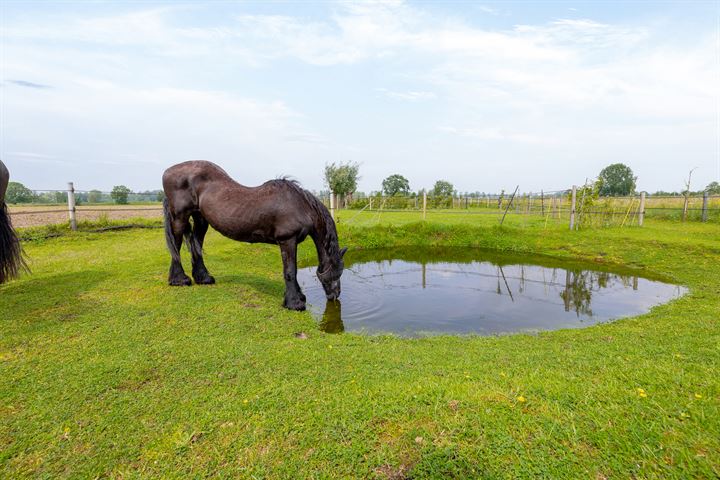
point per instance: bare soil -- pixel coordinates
(38, 215)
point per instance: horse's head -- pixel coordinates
(329, 275)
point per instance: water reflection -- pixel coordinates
(417, 292)
(331, 321)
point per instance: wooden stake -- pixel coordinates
(71, 205)
(508, 205)
(572, 208)
(332, 205)
(641, 214)
(424, 204)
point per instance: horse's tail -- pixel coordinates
(169, 237)
(11, 254)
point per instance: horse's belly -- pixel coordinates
(245, 235)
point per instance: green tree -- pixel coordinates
(120, 194)
(18, 193)
(713, 188)
(396, 184)
(443, 188)
(342, 179)
(616, 180)
(94, 196)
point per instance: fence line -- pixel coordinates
(582, 211)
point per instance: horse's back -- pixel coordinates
(273, 211)
(188, 173)
(184, 181)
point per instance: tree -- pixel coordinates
(94, 196)
(713, 188)
(18, 193)
(396, 184)
(120, 194)
(342, 179)
(616, 180)
(443, 188)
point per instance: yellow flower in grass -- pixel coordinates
(641, 393)
(698, 396)
(520, 399)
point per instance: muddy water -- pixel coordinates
(416, 292)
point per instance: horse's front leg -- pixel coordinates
(294, 298)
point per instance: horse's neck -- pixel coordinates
(319, 235)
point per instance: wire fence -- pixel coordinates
(29, 208)
(556, 206)
(42, 207)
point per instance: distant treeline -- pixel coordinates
(19, 193)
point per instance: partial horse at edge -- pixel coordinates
(11, 254)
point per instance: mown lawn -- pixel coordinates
(107, 372)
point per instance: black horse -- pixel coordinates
(278, 212)
(11, 256)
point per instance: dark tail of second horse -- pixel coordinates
(169, 239)
(12, 261)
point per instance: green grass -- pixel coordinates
(107, 372)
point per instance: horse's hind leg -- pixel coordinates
(195, 241)
(175, 227)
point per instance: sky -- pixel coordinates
(485, 95)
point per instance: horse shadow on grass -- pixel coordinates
(255, 286)
(37, 298)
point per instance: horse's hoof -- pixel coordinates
(206, 280)
(180, 282)
(294, 305)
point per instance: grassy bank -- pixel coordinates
(106, 371)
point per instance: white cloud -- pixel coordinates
(409, 96)
(498, 134)
(563, 88)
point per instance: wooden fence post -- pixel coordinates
(71, 205)
(705, 206)
(509, 203)
(641, 213)
(332, 205)
(424, 203)
(685, 206)
(572, 208)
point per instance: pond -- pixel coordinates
(417, 292)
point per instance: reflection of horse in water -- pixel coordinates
(11, 256)
(332, 318)
(277, 212)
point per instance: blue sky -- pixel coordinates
(485, 95)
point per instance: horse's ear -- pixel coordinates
(342, 251)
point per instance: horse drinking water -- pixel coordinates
(11, 258)
(278, 212)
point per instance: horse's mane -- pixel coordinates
(330, 239)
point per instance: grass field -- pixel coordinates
(107, 372)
